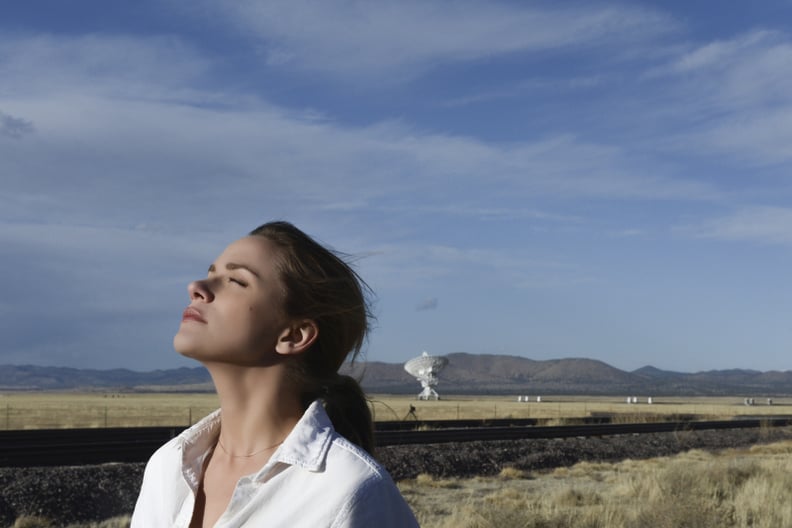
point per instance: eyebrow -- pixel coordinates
(235, 266)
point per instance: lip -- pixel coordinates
(192, 314)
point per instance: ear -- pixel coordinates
(297, 338)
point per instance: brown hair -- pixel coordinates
(320, 285)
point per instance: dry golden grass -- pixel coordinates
(40, 522)
(735, 489)
(43, 410)
(562, 408)
(39, 410)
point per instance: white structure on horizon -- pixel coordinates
(425, 369)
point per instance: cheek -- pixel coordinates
(261, 322)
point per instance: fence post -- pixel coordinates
(189, 417)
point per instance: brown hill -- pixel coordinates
(384, 377)
(503, 374)
(519, 375)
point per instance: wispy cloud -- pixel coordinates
(404, 38)
(526, 88)
(472, 210)
(737, 95)
(409, 265)
(750, 70)
(155, 67)
(719, 55)
(629, 233)
(148, 122)
(761, 224)
(164, 148)
(759, 139)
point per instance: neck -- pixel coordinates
(258, 407)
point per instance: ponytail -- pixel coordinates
(347, 407)
(345, 403)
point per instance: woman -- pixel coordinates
(273, 321)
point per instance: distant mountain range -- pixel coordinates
(465, 374)
(501, 374)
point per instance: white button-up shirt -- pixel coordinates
(316, 478)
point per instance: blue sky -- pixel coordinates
(545, 179)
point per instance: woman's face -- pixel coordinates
(235, 314)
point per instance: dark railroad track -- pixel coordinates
(61, 447)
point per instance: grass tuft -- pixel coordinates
(32, 521)
(512, 473)
(696, 489)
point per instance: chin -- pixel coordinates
(183, 346)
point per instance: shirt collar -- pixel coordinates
(306, 445)
(196, 444)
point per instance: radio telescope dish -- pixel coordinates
(425, 368)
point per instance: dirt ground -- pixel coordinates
(93, 493)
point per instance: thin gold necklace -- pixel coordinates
(248, 455)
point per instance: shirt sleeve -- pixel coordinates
(162, 491)
(377, 503)
(146, 507)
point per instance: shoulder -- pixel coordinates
(163, 467)
(373, 497)
(344, 453)
(344, 484)
(166, 455)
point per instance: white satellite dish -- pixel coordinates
(425, 368)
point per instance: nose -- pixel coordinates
(199, 291)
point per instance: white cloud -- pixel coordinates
(404, 38)
(155, 141)
(396, 266)
(731, 99)
(127, 160)
(158, 68)
(757, 71)
(528, 88)
(716, 56)
(629, 233)
(761, 138)
(763, 224)
(469, 209)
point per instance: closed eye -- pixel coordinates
(237, 281)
